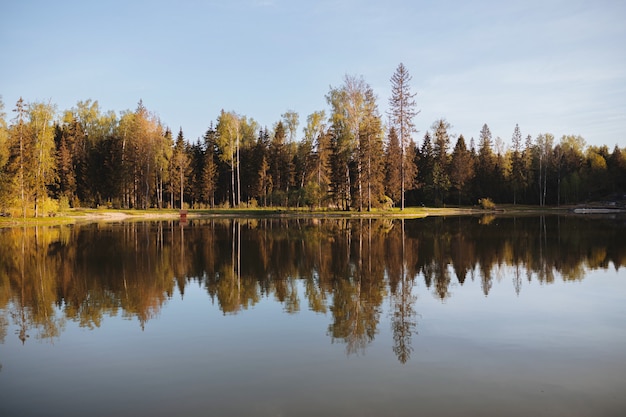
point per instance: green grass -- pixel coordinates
(93, 215)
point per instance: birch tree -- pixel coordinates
(228, 137)
(348, 104)
(41, 116)
(544, 150)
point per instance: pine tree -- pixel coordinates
(441, 179)
(517, 167)
(209, 169)
(66, 175)
(461, 166)
(486, 165)
(180, 162)
(280, 163)
(393, 167)
(402, 112)
(425, 168)
(18, 157)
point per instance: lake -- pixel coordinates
(484, 316)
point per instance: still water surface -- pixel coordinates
(275, 317)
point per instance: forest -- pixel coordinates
(349, 157)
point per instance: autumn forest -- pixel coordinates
(350, 157)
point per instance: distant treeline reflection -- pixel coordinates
(347, 267)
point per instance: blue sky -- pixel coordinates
(551, 66)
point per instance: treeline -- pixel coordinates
(347, 159)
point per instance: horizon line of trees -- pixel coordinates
(348, 159)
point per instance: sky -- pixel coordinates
(550, 66)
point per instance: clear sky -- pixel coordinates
(551, 66)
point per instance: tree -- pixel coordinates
(426, 163)
(544, 150)
(163, 156)
(18, 153)
(527, 163)
(393, 166)
(43, 151)
(441, 179)
(517, 166)
(349, 109)
(371, 152)
(4, 158)
(486, 164)
(569, 154)
(4, 137)
(247, 171)
(461, 166)
(596, 171)
(147, 135)
(402, 111)
(315, 132)
(280, 164)
(617, 169)
(65, 167)
(263, 184)
(86, 131)
(209, 169)
(291, 121)
(228, 137)
(180, 163)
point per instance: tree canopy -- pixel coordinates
(347, 158)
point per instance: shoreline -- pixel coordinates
(82, 216)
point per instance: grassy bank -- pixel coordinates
(82, 215)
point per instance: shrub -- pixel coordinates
(487, 204)
(64, 203)
(49, 207)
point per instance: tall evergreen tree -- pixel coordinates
(4, 158)
(209, 169)
(485, 164)
(66, 175)
(425, 169)
(180, 163)
(18, 156)
(461, 167)
(517, 166)
(393, 167)
(280, 163)
(402, 111)
(441, 179)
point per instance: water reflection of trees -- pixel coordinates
(346, 267)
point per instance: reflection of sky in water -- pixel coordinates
(528, 348)
(557, 348)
